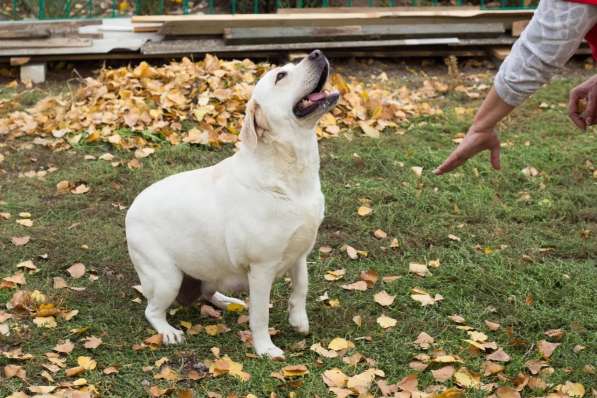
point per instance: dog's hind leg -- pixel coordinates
(161, 281)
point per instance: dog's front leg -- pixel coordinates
(297, 304)
(260, 283)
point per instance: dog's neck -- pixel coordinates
(290, 166)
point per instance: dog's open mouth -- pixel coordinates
(316, 99)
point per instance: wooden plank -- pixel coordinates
(306, 34)
(518, 27)
(216, 24)
(340, 10)
(302, 18)
(48, 43)
(18, 61)
(500, 53)
(25, 34)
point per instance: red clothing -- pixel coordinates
(591, 37)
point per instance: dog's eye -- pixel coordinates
(280, 76)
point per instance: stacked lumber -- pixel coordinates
(71, 39)
(428, 31)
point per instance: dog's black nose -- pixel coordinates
(314, 55)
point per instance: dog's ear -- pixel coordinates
(255, 125)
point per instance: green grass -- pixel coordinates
(480, 206)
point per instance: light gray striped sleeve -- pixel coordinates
(551, 38)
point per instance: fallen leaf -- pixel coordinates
(417, 170)
(294, 370)
(386, 322)
(77, 270)
(454, 237)
(359, 285)
(317, 347)
(25, 222)
(334, 275)
(92, 342)
(506, 392)
(339, 344)
(65, 347)
(80, 189)
(456, 318)
(370, 277)
(20, 240)
(443, 374)
(383, 298)
(364, 211)
(465, 378)
(409, 383)
(546, 348)
(573, 389)
(45, 322)
(424, 340)
(499, 356)
(167, 373)
(380, 234)
(493, 326)
(334, 378)
(86, 363)
(419, 269)
(490, 368)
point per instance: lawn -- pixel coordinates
(513, 248)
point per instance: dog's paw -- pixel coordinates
(299, 321)
(270, 351)
(172, 336)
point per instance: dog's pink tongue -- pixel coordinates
(316, 96)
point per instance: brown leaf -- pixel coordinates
(506, 392)
(65, 347)
(493, 326)
(424, 340)
(358, 285)
(370, 277)
(20, 240)
(546, 348)
(490, 368)
(92, 342)
(443, 374)
(499, 356)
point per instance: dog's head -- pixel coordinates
(289, 98)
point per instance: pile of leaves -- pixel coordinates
(195, 102)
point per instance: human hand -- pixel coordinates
(474, 141)
(585, 92)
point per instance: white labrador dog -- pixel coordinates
(246, 220)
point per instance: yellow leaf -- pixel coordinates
(235, 307)
(338, 344)
(86, 363)
(465, 378)
(364, 211)
(294, 370)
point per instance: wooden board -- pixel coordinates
(277, 19)
(25, 34)
(219, 45)
(370, 32)
(47, 43)
(337, 10)
(519, 26)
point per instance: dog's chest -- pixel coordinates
(308, 214)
